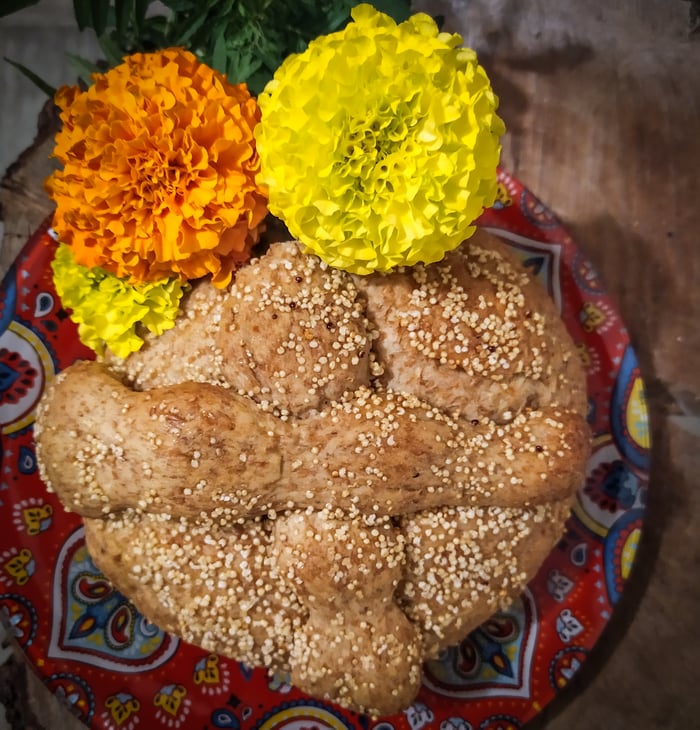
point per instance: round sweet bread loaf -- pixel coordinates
(328, 475)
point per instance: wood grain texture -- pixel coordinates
(602, 104)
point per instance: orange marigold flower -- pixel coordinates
(159, 167)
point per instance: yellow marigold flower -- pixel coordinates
(108, 310)
(159, 167)
(380, 143)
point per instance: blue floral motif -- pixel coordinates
(98, 623)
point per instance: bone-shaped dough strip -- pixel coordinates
(193, 448)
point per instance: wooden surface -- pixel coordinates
(602, 106)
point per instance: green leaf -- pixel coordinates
(140, 10)
(83, 13)
(337, 18)
(190, 29)
(36, 80)
(82, 67)
(154, 34)
(245, 39)
(218, 54)
(180, 6)
(256, 81)
(399, 10)
(12, 6)
(123, 12)
(242, 66)
(114, 53)
(100, 13)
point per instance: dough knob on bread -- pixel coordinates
(346, 574)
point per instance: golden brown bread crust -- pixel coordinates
(349, 608)
(202, 448)
(474, 334)
(335, 476)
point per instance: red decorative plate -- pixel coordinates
(115, 670)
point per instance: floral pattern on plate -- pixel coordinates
(115, 670)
